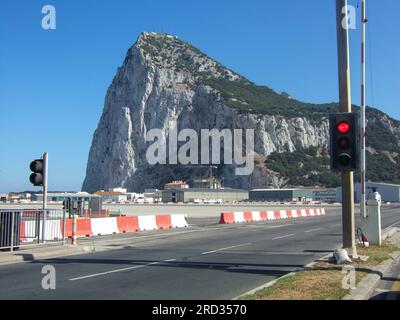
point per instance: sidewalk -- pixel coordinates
(388, 287)
(31, 253)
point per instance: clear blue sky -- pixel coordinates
(61, 76)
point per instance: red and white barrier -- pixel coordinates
(104, 226)
(126, 224)
(101, 226)
(252, 216)
(53, 230)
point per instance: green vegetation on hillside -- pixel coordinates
(247, 96)
(381, 169)
(304, 167)
(308, 168)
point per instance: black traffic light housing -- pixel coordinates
(37, 177)
(344, 142)
(67, 205)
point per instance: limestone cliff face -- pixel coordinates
(164, 80)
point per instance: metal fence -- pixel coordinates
(31, 227)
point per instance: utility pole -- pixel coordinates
(45, 171)
(345, 107)
(363, 120)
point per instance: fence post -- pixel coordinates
(64, 227)
(38, 225)
(12, 230)
(74, 222)
(44, 226)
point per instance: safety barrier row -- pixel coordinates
(125, 224)
(102, 226)
(252, 216)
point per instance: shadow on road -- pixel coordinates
(390, 295)
(251, 268)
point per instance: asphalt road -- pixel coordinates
(205, 261)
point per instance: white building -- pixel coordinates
(389, 192)
(112, 196)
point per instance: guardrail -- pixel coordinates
(31, 227)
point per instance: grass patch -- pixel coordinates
(324, 283)
(376, 254)
(306, 285)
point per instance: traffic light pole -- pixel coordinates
(345, 106)
(45, 171)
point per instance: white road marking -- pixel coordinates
(222, 249)
(381, 290)
(287, 236)
(335, 225)
(120, 270)
(312, 230)
(392, 225)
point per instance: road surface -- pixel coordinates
(205, 261)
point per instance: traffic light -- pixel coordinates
(37, 177)
(344, 134)
(67, 205)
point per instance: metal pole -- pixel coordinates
(363, 120)
(74, 223)
(64, 227)
(12, 230)
(45, 171)
(345, 106)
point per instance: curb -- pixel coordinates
(368, 284)
(387, 233)
(21, 256)
(365, 287)
(266, 285)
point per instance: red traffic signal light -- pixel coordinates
(343, 127)
(344, 141)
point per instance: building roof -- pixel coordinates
(208, 190)
(176, 183)
(272, 190)
(67, 194)
(379, 184)
(110, 193)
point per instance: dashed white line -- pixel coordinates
(222, 249)
(120, 270)
(312, 230)
(287, 236)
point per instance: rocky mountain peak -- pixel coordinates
(165, 80)
(169, 52)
